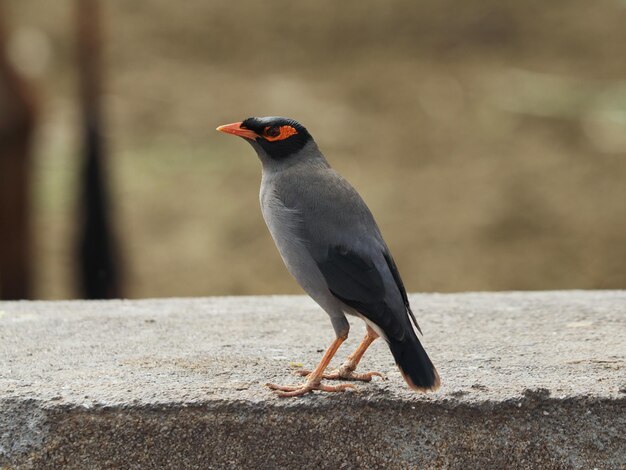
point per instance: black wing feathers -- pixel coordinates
(396, 275)
(356, 282)
(350, 276)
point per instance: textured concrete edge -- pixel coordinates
(536, 428)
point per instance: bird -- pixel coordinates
(330, 243)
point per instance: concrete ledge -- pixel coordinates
(530, 380)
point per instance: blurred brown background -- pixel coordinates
(489, 139)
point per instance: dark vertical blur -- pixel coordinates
(99, 259)
(17, 119)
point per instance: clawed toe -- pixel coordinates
(335, 388)
(284, 391)
(283, 388)
(365, 377)
(345, 374)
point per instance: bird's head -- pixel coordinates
(274, 137)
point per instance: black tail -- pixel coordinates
(414, 363)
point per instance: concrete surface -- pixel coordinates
(530, 380)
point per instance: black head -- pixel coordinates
(278, 137)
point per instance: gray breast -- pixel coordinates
(286, 227)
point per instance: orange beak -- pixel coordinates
(236, 129)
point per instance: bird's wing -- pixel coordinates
(355, 279)
(342, 237)
(396, 275)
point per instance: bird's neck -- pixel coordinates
(308, 156)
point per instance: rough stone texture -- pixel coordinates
(530, 380)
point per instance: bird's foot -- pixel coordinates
(346, 372)
(284, 391)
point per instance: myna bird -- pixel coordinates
(331, 244)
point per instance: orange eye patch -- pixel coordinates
(272, 134)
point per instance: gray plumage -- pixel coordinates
(314, 216)
(331, 244)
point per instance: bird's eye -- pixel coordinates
(272, 131)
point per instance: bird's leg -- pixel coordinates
(314, 379)
(346, 370)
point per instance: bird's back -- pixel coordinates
(313, 210)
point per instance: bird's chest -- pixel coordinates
(285, 224)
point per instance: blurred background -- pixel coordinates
(487, 137)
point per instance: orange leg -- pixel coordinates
(346, 370)
(314, 379)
